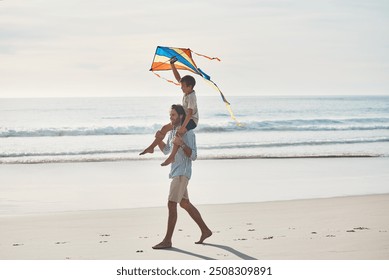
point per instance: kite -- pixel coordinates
(184, 61)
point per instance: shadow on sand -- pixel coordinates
(223, 247)
(190, 253)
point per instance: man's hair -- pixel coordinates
(188, 80)
(180, 111)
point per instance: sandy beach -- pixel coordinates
(336, 228)
(327, 208)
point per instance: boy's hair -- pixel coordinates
(188, 80)
(180, 111)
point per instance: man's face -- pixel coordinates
(174, 118)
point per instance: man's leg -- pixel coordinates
(196, 216)
(167, 241)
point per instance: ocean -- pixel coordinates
(48, 130)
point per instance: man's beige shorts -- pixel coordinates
(178, 189)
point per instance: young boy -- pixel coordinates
(189, 102)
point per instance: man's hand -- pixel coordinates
(178, 140)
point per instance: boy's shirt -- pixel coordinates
(190, 102)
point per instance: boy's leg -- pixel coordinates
(150, 149)
(172, 155)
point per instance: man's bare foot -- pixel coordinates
(163, 245)
(204, 236)
(168, 161)
(148, 150)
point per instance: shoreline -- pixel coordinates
(128, 184)
(327, 228)
(91, 211)
(200, 158)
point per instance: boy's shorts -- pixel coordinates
(178, 189)
(191, 125)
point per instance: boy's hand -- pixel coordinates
(173, 59)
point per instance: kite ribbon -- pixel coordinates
(170, 81)
(210, 58)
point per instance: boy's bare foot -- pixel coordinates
(148, 150)
(163, 245)
(168, 161)
(204, 236)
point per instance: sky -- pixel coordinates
(77, 48)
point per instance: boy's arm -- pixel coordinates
(174, 69)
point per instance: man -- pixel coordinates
(180, 173)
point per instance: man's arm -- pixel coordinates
(161, 144)
(189, 148)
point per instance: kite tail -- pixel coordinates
(228, 105)
(232, 115)
(170, 81)
(210, 58)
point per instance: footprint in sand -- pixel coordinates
(313, 232)
(251, 229)
(240, 239)
(139, 251)
(61, 242)
(105, 235)
(103, 241)
(330, 235)
(357, 228)
(268, 238)
(222, 255)
(17, 244)
(361, 228)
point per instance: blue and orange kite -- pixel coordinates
(185, 61)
